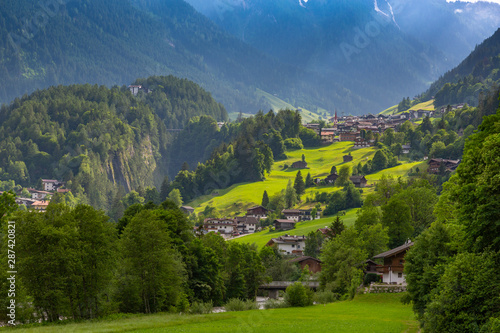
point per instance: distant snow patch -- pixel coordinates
(302, 3)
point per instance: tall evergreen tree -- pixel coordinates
(164, 189)
(290, 195)
(265, 199)
(299, 185)
(333, 170)
(309, 180)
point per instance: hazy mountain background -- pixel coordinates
(347, 55)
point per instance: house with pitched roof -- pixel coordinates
(392, 269)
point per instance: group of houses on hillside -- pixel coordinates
(40, 199)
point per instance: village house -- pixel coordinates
(347, 158)
(292, 245)
(40, 205)
(393, 268)
(246, 224)
(406, 149)
(63, 190)
(313, 264)
(188, 210)
(358, 181)
(225, 227)
(331, 178)
(327, 137)
(348, 136)
(25, 201)
(361, 143)
(291, 214)
(38, 195)
(284, 224)
(51, 185)
(258, 212)
(299, 165)
(306, 214)
(300, 214)
(134, 89)
(435, 164)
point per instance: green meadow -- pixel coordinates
(371, 313)
(428, 106)
(237, 198)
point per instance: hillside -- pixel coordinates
(473, 77)
(114, 42)
(237, 198)
(98, 139)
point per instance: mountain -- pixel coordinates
(98, 139)
(113, 42)
(378, 49)
(475, 76)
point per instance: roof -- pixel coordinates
(50, 181)
(357, 179)
(290, 211)
(304, 258)
(246, 220)
(285, 221)
(394, 251)
(287, 239)
(187, 207)
(37, 191)
(41, 203)
(255, 207)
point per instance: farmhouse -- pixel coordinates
(258, 212)
(312, 263)
(281, 224)
(246, 224)
(392, 269)
(188, 210)
(448, 165)
(299, 165)
(291, 214)
(40, 206)
(331, 178)
(51, 184)
(327, 137)
(225, 227)
(347, 158)
(348, 136)
(35, 194)
(358, 181)
(287, 244)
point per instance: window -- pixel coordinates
(293, 245)
(400, 275)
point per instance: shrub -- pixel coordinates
(236, 304)
(275, 304)
(182, 303)
(202, 308)
(293, 143)
(371, 277)
(298, 295)
(325, 297)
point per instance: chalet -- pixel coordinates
(25, 201)
(361, 143)
(331, 178)
(51, 184)
(246, 224)
(358, 181)
(40, 206)
(306, 214)
(424, 113)
(370, 267)
(325, 231)
(258, 212)
(287, 244)
(392, 269)
(327, 137)
(406, 149)
(39, 195)
(188, 210)
(291, 214)
(281, 224)
(134, 89)
(347, 158)
(314, 127)
(225, 227)
(299, 165)
(435, 164)
(348, 136)
(312, 263)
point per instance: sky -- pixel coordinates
(495, 1)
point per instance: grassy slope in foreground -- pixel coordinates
(372, 313)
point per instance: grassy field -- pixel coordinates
(371, 313)
(429, 106)
(237, 198)
(302, 228)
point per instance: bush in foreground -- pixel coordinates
(275, 304)
(202, 308)
(236, 304)
(325, 297)
(298, 295)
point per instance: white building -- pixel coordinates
(393, 268)
(292, 245)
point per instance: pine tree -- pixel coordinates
(164, 189)
(333, 170)
(185, 166)
(299, 186)
(265, 199)
(303, 158)
(290, 195)
(309, 180)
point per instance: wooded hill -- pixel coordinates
(96, 138)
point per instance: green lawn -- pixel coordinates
(371, 313)
(301, 228)
(237, 198)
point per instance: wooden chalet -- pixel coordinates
(188, 210)
(246, 224)
(259, 212)
(293, 245)
(347, 158)
(435, 164)
(282, 224)
(359, 181)
(392, 269)
(331, 178)
(291, 214)
(348, 136)
(313, 264)
(299, 165)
